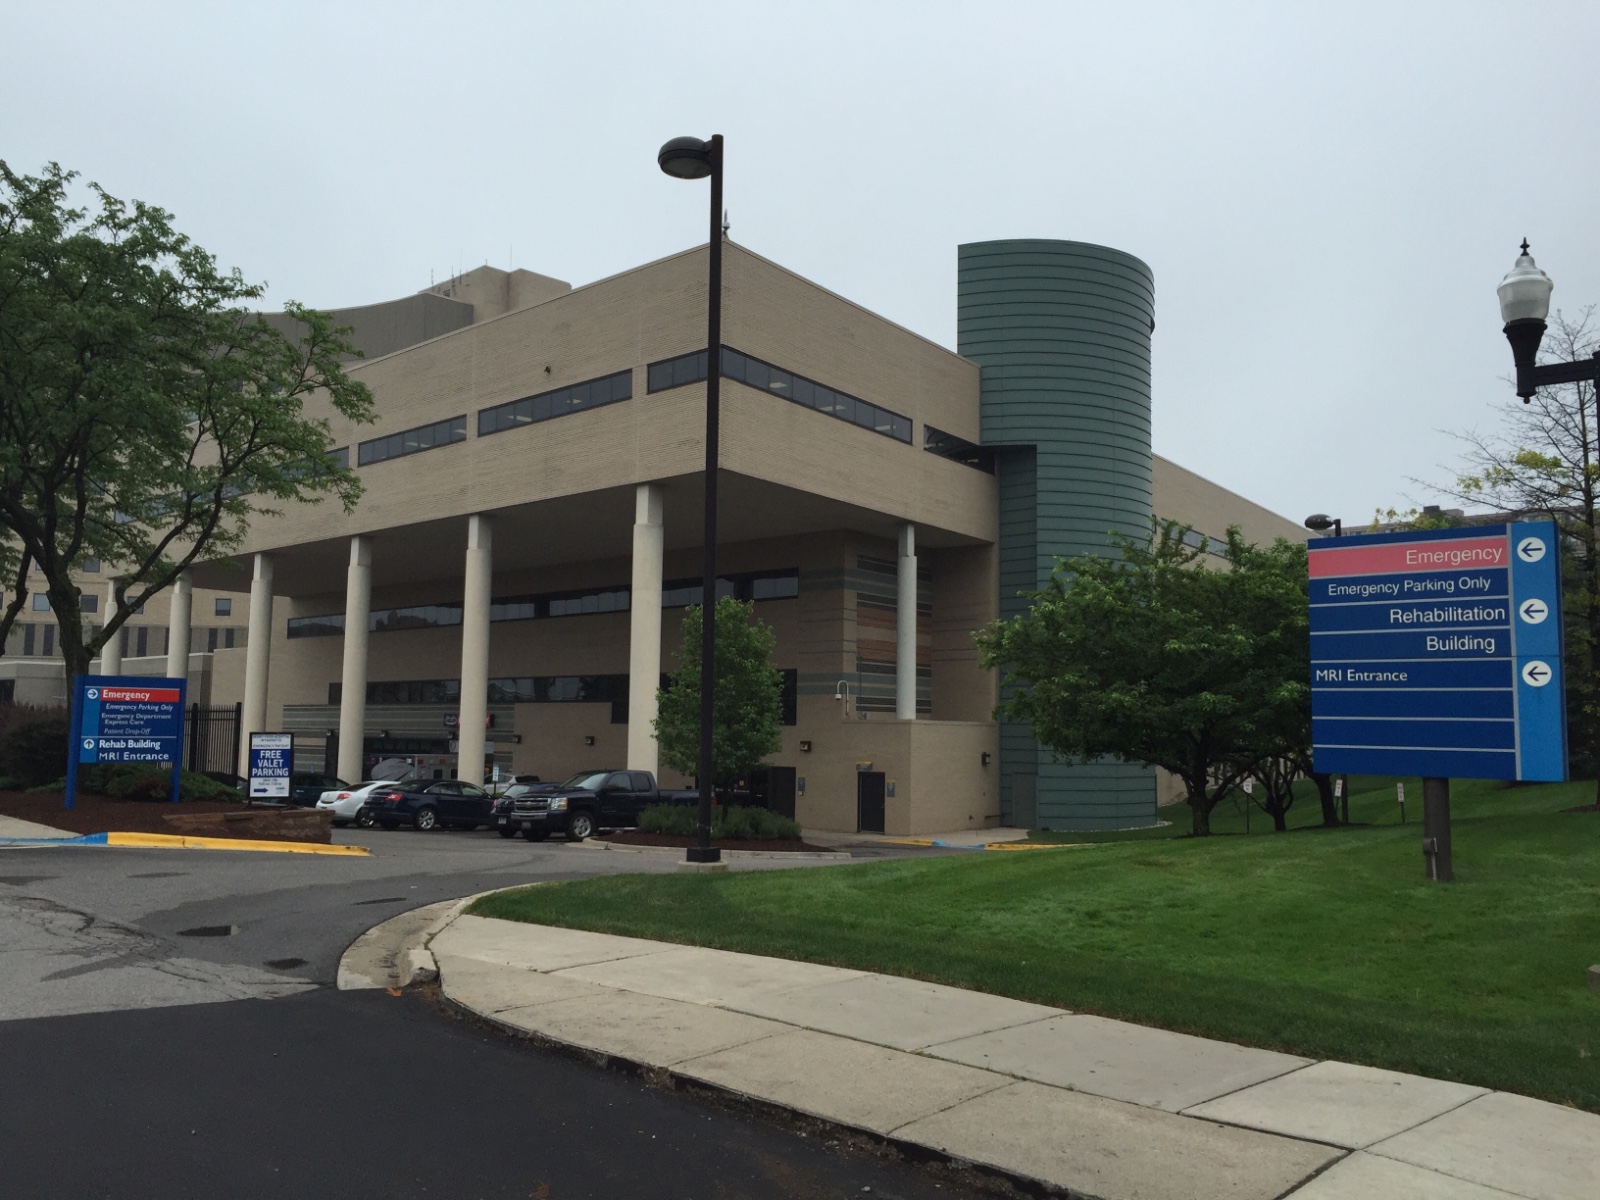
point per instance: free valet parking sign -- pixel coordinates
(1438, 653)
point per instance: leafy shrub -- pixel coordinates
(142, 781)
(33, 746)
(733, 822)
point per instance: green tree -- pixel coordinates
(1155, 658)
(145, 415)
(747, 709)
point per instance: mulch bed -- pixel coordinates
(634, 837)
(102, 814)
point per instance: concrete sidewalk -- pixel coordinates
(15, 828)
(1096, 1107)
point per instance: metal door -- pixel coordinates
(1024, 801)
(779, 795)
(869, 801)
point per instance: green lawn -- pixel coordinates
(1324, 943)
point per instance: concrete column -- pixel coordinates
(905, 633)
(353, 682)
(258, 648)
(475, 648)
(644, 629)
(178, 628)
(111, 652)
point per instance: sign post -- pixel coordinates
(125, 719)
(1439, 653)
(271, 766)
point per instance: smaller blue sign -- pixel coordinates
(271, 765)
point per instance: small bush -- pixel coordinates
(143, 781)
(33, 747)
(736, 822)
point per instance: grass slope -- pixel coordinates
(1324, 943)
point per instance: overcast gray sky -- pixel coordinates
(1328, 194)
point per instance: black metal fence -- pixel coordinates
(213, 742)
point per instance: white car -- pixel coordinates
(346, 803)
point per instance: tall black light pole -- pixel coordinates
(691, 158)
(1524, 304)
(1321, 523)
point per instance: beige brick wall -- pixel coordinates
(1181, 495)
(626, 322)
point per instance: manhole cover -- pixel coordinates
(209, 931)
(158, 875)
(382, 900)
(285, 964)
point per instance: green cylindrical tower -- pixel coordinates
(1062, 332)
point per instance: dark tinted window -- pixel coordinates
(545, 406)
(413, 441)
(948, 445)
(736, 365)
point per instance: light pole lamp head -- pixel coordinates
(1321, 522)
(685, 158)
(1524, 305)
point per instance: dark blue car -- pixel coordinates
(427, 804)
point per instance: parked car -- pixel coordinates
(348, 801)
(499, 787)
(583, 804)
(429, 804)
(306, 787)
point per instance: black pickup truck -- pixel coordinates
(577, 807)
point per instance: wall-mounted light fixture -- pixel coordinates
(588, 739)
(805, 747)
(986, 757)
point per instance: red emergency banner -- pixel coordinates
(1396, 558)
(139, 695)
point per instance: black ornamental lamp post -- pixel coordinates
(691, 158)
(1524, 305)
(1321, 523)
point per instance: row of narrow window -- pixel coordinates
(137, 641)
(797, 389)
(753, 585)
(616, 387)
(541, 689)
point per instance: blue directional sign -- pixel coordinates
(125, 719)
(1438, 653)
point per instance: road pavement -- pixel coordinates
(143, 1061)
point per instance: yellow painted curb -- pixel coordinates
(175, 841)
(1036, 845)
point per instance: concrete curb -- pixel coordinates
(87, 839)
(758, 855)
(176, 841)
(184, 842)
(394, 954)
(782, 1114)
